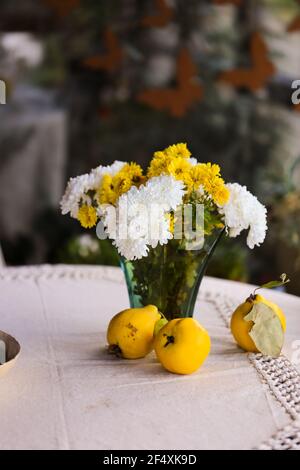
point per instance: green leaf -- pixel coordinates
(159, 325)
(272, 284)
(267, 332)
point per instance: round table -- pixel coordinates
(66, 392)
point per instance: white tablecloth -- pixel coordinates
(66, 392)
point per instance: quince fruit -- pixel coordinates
(130, 333)
(258, 325)
(182, 345)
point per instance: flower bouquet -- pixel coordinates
(165, 223)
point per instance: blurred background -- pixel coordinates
(92, 81)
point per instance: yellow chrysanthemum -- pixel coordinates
(180, 169)
(171, 220)
(220, 193)
(133, 171)
(208, 176)
(203, 172)
(178, 151)
(197, 176)
(113, 187)
(87, 216)
(158, 165)
(163, 158)
(160, 154)
(107, 193)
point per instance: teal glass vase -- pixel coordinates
(169, 277)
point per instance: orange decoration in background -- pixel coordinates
(110, 61)
(176, 100)
(297, 107)
(294, 25)
(162, 19)
(62, 7)
(255, 77)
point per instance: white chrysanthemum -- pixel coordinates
(76, 190)
(78, 187)
(141, 216)
(164, 190)
(243, 211)
(97, 173)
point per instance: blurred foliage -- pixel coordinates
(290, 6)
(87, 249)
(283, 242)
(52, 71)
(286, 220)
(285, 209)
(230, 261)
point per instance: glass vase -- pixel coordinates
(169, 277)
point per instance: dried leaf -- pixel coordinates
(267, 332)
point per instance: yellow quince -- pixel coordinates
(182, 345)
(258, 325)
(130, 333)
